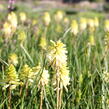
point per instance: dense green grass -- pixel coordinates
(86, 64)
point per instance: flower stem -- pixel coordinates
(27, 54)
(21, 91)
(26, 87)
(9, 98)
(60, 98)
(57, 91)
(41, 96)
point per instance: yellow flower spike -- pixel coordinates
(74, 27)
(43, 42)
(44, 77)
(11, 74)
(91, 25)
(23, 17)
(7, 29)
(106, 25)
(59, 16)
(57, 55)
(12, 19)
(13, 59)
(96, 22)
(46, 18)
(64, 76)
(106, 40)
(66, 20)
(83, 24)
(91, 40)
(26, 74)
(34, 22)
(36, 69)
(11, 78)
(22, 36)
(106, 77)
(58, 60)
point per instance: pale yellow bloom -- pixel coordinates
(59, 16)
(34, 22)
(7, 29)
(106, 77)
(26, 74)
(74, 27)
(22, 16)
(91, 40)
(44, 77)
(46, 18)
(36, 69)
(106, 40)
(64, 76)
(58, 60)
(11, 78)
(13, 59)
(12, 19)
(57, 54)
(22, 36)
(10, 25)
(83, 24)
(96, 22)
(91, 25)
(43, 42)
(106, 25)
(66, 20)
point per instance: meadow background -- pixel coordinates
(30, 32)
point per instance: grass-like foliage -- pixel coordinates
(50, 60)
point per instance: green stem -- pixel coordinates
(41, 96)
(103, 96)
(57, 91)
(60, 98)
(27, 54)
(9, 98)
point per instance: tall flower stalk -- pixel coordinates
(11, 82)
(43, 82)
(58, 60)
(27, 76)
